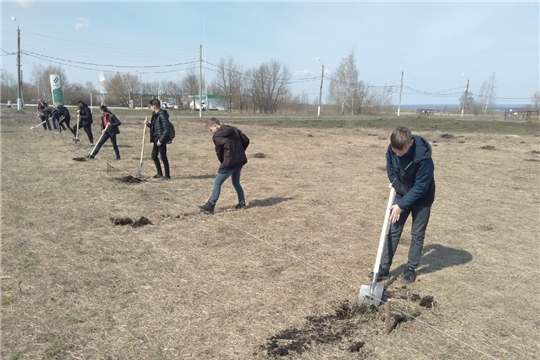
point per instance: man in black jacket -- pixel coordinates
(109, 129)
(231, 145)
(161, 133)
(85, 121)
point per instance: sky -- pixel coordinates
(439, 46)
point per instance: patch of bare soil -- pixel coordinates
(488, 147)
(128, 221)
(80, 158)
(447, 136)
(130, 180)
(340, 328)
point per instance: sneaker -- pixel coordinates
(208, 207)
(91, 144)
(157, 176)
(383, 274)
(165, 178)
(239, 206)
(409, 276)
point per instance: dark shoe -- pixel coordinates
(157, 176)
(165, 178)
(239, 206)
(118, 158)
(208, 207)
(383, 274)
(409, 276)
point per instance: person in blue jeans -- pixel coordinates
(109, 129)
(231, 145)
(410, 170)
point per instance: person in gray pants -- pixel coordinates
(410, 169)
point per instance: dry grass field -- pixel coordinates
(281, 278)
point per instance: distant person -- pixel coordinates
(161, 133)
(109, 129)
(9, 104)
(42, 105)
(85, 122)
(230, 144)
(64, 117)
(410, 169)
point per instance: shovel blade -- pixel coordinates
(365, 295)
(139, 171)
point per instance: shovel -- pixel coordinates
(142, 150)
(76, 139)
(372, 294)
(33, 127)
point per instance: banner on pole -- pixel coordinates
(56, 88)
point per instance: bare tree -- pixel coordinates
(120, 88)
(270, 86)
(536, 100)
(344, 83)
(190, 83)
(487, 93)
(8, 90)
(229, 82)
(41, 79)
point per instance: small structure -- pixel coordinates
(521, 114)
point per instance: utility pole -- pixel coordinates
(20, 101)
(465, 98)
(320, 91)
(200, 81)
(487, 100)
(400, 92)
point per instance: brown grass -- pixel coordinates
(194, 286)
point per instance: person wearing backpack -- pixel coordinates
(161, 133)
(63, 116)
(230, 145)
(109, 129)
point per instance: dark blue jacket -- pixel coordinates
(412, 174)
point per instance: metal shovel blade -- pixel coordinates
(366, 296)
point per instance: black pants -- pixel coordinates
(162, 150)
(46, 124)
(87, 129)
(420, 219)
(104, 138)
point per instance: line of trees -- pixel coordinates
(263, 89)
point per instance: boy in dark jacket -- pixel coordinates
(109, 129)
(42, 105)
(85, 122)
(161, 134)
(51, 113)
(63, 116)
(231, 145)
(410, 169)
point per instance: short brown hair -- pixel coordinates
(400, 138)
(212, 121)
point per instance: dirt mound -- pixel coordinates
(259, 156)
(79, 158)
(488, 147)
(128, 221)
(121, 221)
(141, 222)
(447, 136)
(129, 179)
(342, 328)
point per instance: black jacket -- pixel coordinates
(231, 145)
(86, 115)
(63, 111)
(50, 112)
(412, 174)
(161, 128)
(114, 123)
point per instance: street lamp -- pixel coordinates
(465, 96)
(320, 92)
(20, 104)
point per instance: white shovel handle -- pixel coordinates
(383, 232)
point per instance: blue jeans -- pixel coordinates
(220, 179)
(104, 138)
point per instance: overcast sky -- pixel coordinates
(438, 45)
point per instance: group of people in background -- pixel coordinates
(409, 167)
